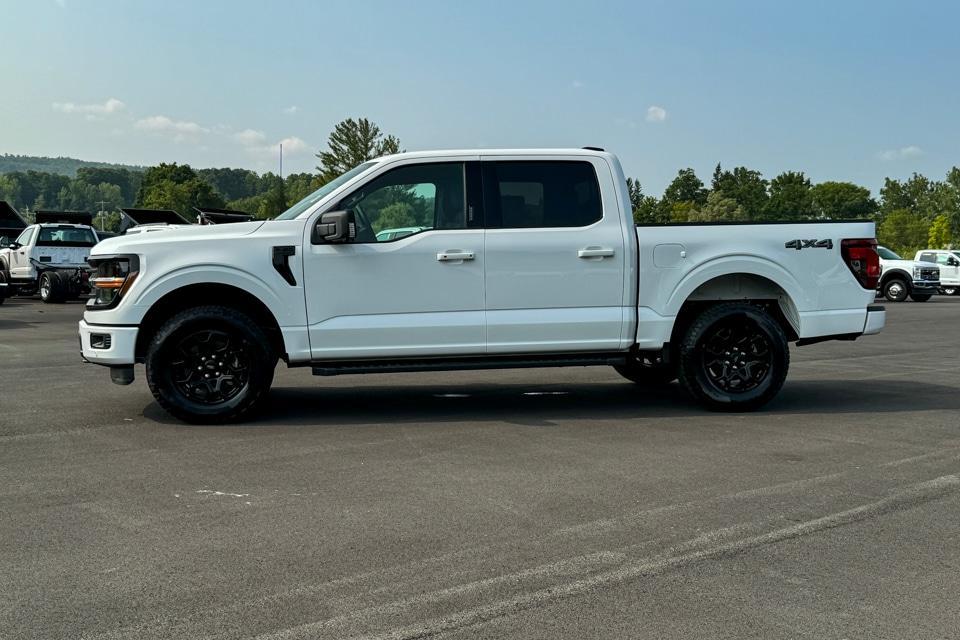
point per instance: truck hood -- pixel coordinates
(139, 241)
(906, 265)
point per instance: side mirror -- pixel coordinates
(953, 262)
(334, 227)
(14, 245)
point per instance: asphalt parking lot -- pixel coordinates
(516, 504)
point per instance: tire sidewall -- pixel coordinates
(694, 376)
(159, 377)
(889, 284)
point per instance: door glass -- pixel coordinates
(24, 237)
(409, 200)
(520, 195)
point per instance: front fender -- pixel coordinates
(142, 296)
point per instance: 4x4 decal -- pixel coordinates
(809, 244)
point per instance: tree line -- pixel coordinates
(911, 214)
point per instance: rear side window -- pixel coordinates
(523, 195)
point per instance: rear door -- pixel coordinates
(555, 255)
(418, 294)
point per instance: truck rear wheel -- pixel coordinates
(51, 288)
(210, 364)
(734, 357)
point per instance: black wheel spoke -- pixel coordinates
(209, 366)
(736, 356)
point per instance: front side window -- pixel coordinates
(521, 195)
(24, 238)
(66, 237)
(409, 200)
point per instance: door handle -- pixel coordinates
(594, 252)
(455, 256)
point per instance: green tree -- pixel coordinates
(940, 235)
(904, 231)
(746, 186)
(842, 201)
(398, 214)
(354, 142)
(177, 187)
(790, 198)
(645, 208)
(686, 187)
(718, 208)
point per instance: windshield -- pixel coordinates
(66, 237)
(322, 192)
(886, 254)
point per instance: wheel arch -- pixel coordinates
(208, 293)
(898, 274)
(744, 286)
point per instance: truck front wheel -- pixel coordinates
(896, 290)
(734, 357)
(210, 364)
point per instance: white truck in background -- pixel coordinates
(50, 257)
(949, 262)
(525, 258)
(901, 278)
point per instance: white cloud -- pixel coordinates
(250, 137)
(112, 105)
(61, 3)
(576, 84)
(656, 114)
(292, 145)
(292, 109)
(163, 124)
(911, 151)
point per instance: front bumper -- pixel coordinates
(926, 286)
(876, 319)
(118, 344)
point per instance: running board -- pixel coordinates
(336, 368)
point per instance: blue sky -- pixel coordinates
(841, 90)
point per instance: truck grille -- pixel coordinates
(930, 274)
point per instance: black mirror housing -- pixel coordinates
(334, 227)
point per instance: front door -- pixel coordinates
(949, 268)
(20, 257)
(555, 255)
(412, 282)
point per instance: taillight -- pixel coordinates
(862, 258)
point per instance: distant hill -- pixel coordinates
(64, 166)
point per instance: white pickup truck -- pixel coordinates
(526, 258)
(50, 257)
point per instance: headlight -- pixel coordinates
(917, 273)
(112, 278)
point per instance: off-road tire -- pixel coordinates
(764, 348)
(896, 290)
(170, 354)
(950, 291)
